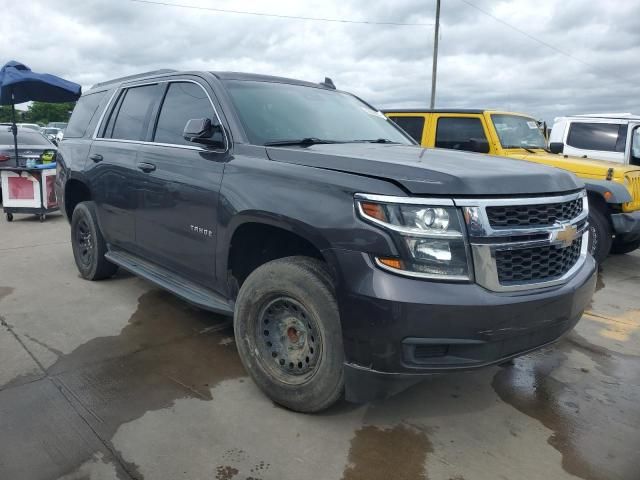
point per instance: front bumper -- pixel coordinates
(626, 223)
(398, 329)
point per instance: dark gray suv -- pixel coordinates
(350, 258)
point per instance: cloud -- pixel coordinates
(482, 62)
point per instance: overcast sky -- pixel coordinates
(482, 63)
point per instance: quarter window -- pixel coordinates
(606, 137)
(129, 118)
(82, 114)
(412, 125)
(183, 101)
(457, 132)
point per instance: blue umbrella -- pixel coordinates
(19, 84)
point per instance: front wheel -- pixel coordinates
(288, 333)
(600, 235)
(88, 244)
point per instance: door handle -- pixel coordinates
(96, 157)
(146, 167)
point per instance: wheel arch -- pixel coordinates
(76, 190)
(276, 237)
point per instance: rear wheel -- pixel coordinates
(621, 245)
(88, 244)
(600, 235)
(288, 333)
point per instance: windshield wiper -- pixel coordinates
(303, 142)
(377, 140)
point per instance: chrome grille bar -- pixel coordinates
(485, 240)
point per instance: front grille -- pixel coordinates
(634, 185)
(533, 215)
(536, 264)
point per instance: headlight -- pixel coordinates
(430, 236)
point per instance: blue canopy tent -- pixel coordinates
(19, 84)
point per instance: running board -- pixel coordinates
(189, 291)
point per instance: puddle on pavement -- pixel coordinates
(5, 292)
(167, 351)
(379, 453)
(589, 416)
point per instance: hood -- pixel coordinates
(432, 171)
(585, 167)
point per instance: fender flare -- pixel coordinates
(619, 193)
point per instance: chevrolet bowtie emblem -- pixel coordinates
(567, 235)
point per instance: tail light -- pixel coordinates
(4, 158)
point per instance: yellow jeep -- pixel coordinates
(613, 188)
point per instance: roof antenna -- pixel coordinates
(328, 83)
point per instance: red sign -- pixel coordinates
(21, 188)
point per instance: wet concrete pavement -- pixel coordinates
(119, 380)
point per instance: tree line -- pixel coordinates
(39, 112)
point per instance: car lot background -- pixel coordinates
(118, 379)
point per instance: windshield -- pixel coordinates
(25, 137)
(279, 112)
(515, 131)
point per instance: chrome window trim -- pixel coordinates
(104, 112)
(141, 142)
(121, 88)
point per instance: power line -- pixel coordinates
(531, 37)
(273, 15)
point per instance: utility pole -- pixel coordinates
(434, 70)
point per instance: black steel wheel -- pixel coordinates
(88, 244)
(84, 242)
(288, 333)
(289, 340)
(9, 217)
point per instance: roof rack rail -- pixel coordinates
(132, 77)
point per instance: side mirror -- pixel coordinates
(202, 131)
(556, 147)
(479, 145)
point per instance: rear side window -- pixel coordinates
(25, 137)
(412, 125)
(183, 101)
(456, 133)
(129, 119)
(82, 114)
(606, 137)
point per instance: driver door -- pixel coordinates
(465, 132)
(177, 185)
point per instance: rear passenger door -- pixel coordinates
(458, 132)
(177, 184)
(112, 161)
